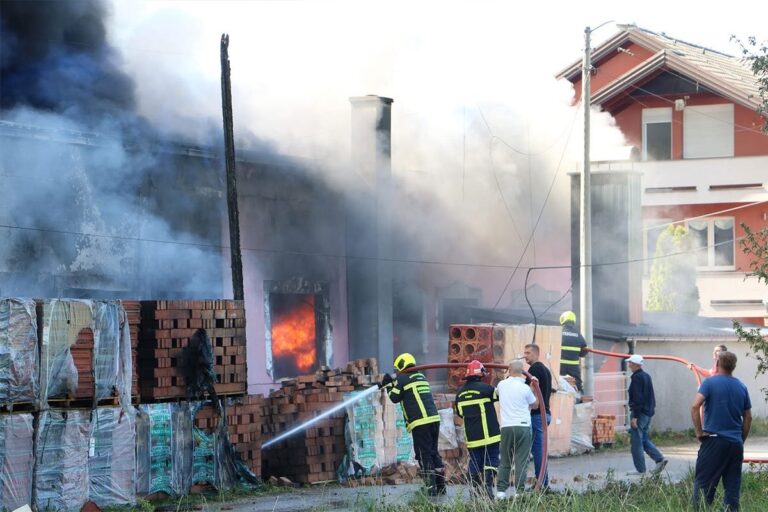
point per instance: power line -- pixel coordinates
(541, 212)
(706, 215)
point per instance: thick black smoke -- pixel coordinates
(54, 56)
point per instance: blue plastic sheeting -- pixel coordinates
(18, 351)
(16, 460)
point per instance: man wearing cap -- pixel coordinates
(475, 403)
(642, 406)
(727, 420)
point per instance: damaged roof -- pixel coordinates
(726, 75)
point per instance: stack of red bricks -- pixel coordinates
(603, 429)
(467, 343)
(245, 421)
(167, 326)
(314, 454)
(455, 459)
(133, 314)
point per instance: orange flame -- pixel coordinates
(293, 335)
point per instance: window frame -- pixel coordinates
(656, 116)
(722, 115)
(711, 256)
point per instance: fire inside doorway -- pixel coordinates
(298, 330)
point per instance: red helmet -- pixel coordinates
(475, 369)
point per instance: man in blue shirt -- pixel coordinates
(642, 406)
(727, 419)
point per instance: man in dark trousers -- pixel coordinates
(411, 390)
(474, 403)
(642, 406)
(572, 348)
(727, 419)
(541, 372)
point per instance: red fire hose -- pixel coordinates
(696, 373)
(536, 390)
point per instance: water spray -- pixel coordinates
(303, 426)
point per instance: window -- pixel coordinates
(657, 134)
(652, 230)
(708, 131)
(713, 242)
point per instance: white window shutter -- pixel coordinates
(708, 131)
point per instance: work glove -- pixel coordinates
(386, 380)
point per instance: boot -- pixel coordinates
(490, 476)
(476, 481)
(439, 476)
(431, 483)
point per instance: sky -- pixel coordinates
(477, 110)
(296, 63)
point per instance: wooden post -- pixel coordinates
(229, 156)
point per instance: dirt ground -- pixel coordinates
(578, 473)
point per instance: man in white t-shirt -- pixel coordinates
(516, 401)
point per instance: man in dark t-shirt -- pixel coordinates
(727, 420)
(538, 370)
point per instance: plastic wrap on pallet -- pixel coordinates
(164, 449)
(63, 320)
(376, 435)
(18, 351)
(61, 459)
(214, 460)
(16, 460)
(112, 458)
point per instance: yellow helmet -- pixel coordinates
(567, 316)
(403, 361)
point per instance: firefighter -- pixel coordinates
(572, 348)
(474, 403)
(413, 393)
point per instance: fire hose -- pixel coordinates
(696, 373)
(536, 390)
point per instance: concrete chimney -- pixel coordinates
(369, 232)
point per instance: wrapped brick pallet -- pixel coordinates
(18, 351)
(164, 449)
(112, 458)
(16, 460)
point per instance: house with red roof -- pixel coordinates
(689, 114)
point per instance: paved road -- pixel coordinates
(577, 472)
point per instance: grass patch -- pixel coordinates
(651, 495)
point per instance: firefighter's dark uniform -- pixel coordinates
(474, 403)
(413, 393)
(571, 349)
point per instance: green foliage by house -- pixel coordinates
(756, 54)
(755, 245)
(673, 274)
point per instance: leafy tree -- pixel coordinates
(756, 53)
(673, 274)
(755, 244)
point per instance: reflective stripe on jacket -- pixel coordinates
(572, 347)
(474, 403)
(413, 393)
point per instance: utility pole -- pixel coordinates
(585, 221)
(229, 157)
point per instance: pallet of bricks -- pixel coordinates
(315, 454)
(455, 459)
(132, 310)
(500, 343)
(245, 422)
(18, 392)
(603, 430)
(84, 353)
(379, 446)
(166, 329)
